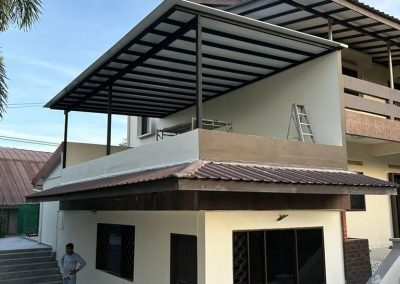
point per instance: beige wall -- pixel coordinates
(81, 152)
(263, 108)
(375, 223)
(220, 225)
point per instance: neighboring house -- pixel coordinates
(213, 191)
(17, 168)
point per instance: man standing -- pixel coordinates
(69, 263)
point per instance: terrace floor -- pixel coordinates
(15, 243)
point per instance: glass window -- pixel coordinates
(144, 126)
(357, 202)
(279, 257)
(115, 249)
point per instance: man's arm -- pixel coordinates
(81, 261)
(62, 261)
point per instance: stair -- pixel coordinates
(29, 266)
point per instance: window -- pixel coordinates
(350, 72)
(144, 126)
(357, 202)
(116, 249)
(279, 257)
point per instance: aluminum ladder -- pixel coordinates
(299, 117)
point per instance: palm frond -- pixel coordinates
(22, 13)
(3, 87)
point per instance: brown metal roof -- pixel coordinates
(17, 168)
(225, 171)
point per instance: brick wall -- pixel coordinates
(357, 262)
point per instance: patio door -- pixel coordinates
(183, 259)
(290, 256)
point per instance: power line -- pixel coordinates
(28, 141)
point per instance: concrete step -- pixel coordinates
(8, 262)
(29, 266)
(29, 273)
(24, 250)
(26, 254)
(56, 278)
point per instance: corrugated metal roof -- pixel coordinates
(226, 171)
(17, 168)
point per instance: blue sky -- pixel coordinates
(69, 37)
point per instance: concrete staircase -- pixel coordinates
(35, 265)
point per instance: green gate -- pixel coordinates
(28, 219)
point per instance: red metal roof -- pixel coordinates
(226, 171)
(17, 168)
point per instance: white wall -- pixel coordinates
(263, 108)
(48, 223)
(218, 238)
(152, 237)
(214, 231)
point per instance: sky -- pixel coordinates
(41, 62)
(68, 38)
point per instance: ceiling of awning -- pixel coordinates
(351, 27)
(152, 70)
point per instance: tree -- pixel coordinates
(22, 14)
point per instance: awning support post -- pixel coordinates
(390, 62)
(330, 29)
(109, 114)
(199, 74)
(64, 156)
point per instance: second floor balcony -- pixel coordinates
(372, 110)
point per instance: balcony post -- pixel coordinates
(199, 74)
(64, 156)
(330, 29)
(390, 63)
(109, 114)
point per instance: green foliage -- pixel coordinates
(22, 14)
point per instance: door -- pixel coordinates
(183, 259)
(395, 204)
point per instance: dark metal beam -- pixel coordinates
(162, 45)
(109, 117)
(64, 156)
(199, 71)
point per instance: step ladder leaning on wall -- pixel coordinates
(300, 119)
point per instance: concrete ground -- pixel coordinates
(14, 243)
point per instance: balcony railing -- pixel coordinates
(372, 99)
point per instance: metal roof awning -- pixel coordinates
(223, 176)
(156, 69)
(355, 24)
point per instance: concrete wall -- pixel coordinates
(214, 231)
(263, 108)
(218, 238)
(378, 209)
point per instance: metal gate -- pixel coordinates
(21, 220)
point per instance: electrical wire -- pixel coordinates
(28, 141)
